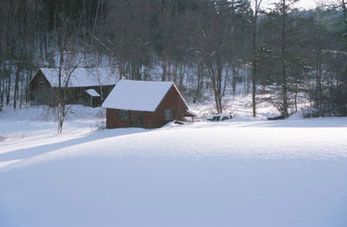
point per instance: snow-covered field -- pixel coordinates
(237, 173)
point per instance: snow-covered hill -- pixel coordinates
(235, 173)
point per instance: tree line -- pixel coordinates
(198, 44)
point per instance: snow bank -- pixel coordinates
(174, 192)
(286, 173)
(35, 125)
(46, 113)
(237, 173)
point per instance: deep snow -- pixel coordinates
(235, 173)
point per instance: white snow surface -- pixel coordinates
(93, 93)
(137, 95)
(241, 172)
(81, 77)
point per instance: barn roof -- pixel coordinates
(81, 77)
(93, 93)
(138, 95)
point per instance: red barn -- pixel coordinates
(145, 104)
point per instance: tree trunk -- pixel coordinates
(234, 79)
(8, 89)
(2, 86)
(216, 76)
(226, 78)
(61, 92)
(296, 97)
(254, 59)
(181, 76)
(284, 106)
(254, 69)
(174, 73)
(164, 67)
(199, 82)
(318, 95)
(16, 87)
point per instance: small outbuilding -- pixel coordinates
(87, 86)
(145, 104)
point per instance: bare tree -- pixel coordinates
(284, 8)
(256, 10)
(343, 5)
(69, 60)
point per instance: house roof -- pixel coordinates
(138, 95)
(80, 77)
(92, 93)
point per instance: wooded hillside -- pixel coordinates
(199, 44)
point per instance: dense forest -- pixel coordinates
(201, 45)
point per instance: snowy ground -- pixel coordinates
(235, 173)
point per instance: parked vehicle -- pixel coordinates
(219, 117)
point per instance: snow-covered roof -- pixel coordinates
(137, 95)
(92, 93)
(81, 77)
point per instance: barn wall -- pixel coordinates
(172, 100)
(113, 121)
(78, 95)
(41, 92)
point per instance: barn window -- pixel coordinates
(168, 115)
(41, 82)
(123, 114)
